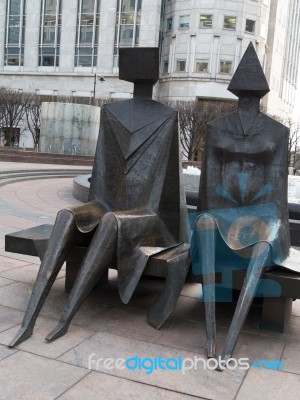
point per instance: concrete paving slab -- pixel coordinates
(290, 358)
(36, 344)
(25, 376)
(5, 282)
(125, 321)
(7, 264)
(6, 352)
(192, 337)
(26, 274)
(269, 385)
(17, 295)
(109, 387)
(203, 383)
(9, 318)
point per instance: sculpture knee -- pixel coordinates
(108, 227)
(205, 222)
(65, 216)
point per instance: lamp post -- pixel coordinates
(101, 79)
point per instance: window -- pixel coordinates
(15, 32)
(225, 67)
(166, 67)
(169, 24)
(205, 21)
(184, 21)
(180, 65)
(86, 48)
(229, 23)
(250, 26)
(127, 33)
(50, 33)
(202, 66)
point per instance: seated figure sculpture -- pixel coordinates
(136, 203)
(242, 196)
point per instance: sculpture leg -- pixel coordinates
(60, 243)
(260, 255)
(177, 269)
(205, 228)
(96, 262)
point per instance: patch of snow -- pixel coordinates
(192, 171)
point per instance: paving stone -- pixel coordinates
(26, 376)
(192, 337)
(7, 264)
(36, 344)
(290, 358)
(20, 257)
(126, 321)
(203, 383)
(9, 318)
(6, 352)
(26, 274)
(5, 282)
(269, 385)
(17, 296)
(97, 386)
(16, 222)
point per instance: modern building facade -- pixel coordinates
(70, 47)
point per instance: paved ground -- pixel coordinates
(104, 326)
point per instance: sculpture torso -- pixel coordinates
(132, 153)
(245, 174)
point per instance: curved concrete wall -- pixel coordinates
(69, 128)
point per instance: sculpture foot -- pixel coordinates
(223, 362)
(211, 349)
(24, 333)
(60, 330)
(219, 368)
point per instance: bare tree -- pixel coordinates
(193, 119)
(33, 116)
(12, 109)
(294, 143)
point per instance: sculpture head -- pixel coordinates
(249, 79)
(139, 65)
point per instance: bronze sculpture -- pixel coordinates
(243, 195)
(136, 203)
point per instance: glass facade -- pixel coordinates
(184, 21)
(127, 25)
(50, 33)
(15, 32)
(225, 67)
(229, 22)
(202, 65)
(87, 33)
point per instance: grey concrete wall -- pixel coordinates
(31, 48)
(69, 128)
(2, 34)
(68, 35)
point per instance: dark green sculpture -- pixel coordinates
(136, 204)
(242, 196)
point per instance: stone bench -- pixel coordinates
(275, 311)
(34, 241)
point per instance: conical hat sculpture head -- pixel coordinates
(249, 78)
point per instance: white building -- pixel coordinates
(63, 47)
